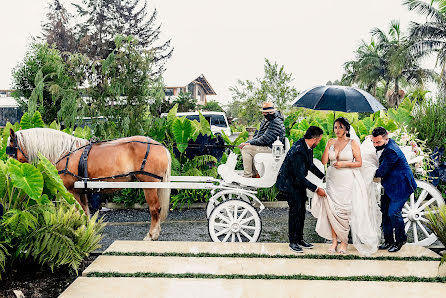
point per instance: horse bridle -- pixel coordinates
(12, 150)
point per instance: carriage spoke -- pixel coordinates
(220, 224)
(227, 236)
(423, 229)
(415, 232)
(427, 204)
(246, 220)
(406, 227)
(221, 216)
(248, 227)
(421, 198)
(412, 200)
(222, 232)
(232, 237)
(238, 237)
(235, 213)
(406, 219)
(243, 214)
(404, 215)
(229, 213)
(246, 235)
(406, 207)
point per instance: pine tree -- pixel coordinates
(56, 30)
(104, 19)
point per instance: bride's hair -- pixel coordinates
(344, 123)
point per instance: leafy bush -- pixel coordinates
(429, 122)
(437, 223)
(129, 196)
(42, 221)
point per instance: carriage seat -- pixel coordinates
(261, 159)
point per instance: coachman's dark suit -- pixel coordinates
(292, 184)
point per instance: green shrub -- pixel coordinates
(430, 124)
(42, 222)
(437, 223)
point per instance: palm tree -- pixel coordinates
(430, 37)
(401, 64)
(368, 68)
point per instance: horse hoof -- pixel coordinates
(147, 238)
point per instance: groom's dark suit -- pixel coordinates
(292, 184)
(398, 183)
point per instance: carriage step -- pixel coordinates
(280, 249)
(174, 287)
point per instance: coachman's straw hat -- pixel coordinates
(268, 107)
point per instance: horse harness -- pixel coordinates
(83, 164)
(12, 151)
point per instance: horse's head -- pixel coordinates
(13, 149)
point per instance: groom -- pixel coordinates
(292, 183)
(398, 183)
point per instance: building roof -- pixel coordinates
(8, 102)
(200, 80)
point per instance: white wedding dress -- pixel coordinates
(351, 202)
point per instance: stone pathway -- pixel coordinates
(207, 269)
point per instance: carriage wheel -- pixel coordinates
(425, 197)
(234, 221)
(222, 196)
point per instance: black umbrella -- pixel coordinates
(338, 98)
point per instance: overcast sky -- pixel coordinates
(228, 40)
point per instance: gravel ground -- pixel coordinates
(191, 225)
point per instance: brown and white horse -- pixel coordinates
(106, 159)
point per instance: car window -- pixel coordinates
(193, 117)
(218, 120)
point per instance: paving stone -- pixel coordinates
(272, 266)
(248, 248)
(173, 287)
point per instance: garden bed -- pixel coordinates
(37, 282)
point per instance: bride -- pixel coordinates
(351, 200)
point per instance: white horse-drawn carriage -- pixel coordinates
(233, 210)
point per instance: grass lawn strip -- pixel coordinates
(268, 276)
(304, 256)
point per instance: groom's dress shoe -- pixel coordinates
(385, 246)
(305, 244)
(296, 248)
(396, 247)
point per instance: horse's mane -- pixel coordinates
(51, 143)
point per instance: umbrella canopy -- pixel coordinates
(338, 98)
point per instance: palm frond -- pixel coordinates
(426, 9)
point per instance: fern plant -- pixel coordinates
(42, 222)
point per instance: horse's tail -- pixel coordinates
(164, 193)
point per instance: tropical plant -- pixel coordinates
(429, 122)
(437, 223)
(430, 36)
(185, 102)
(368, 69)
(42, 222)
(401, 65)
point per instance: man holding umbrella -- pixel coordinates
(292, 183)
